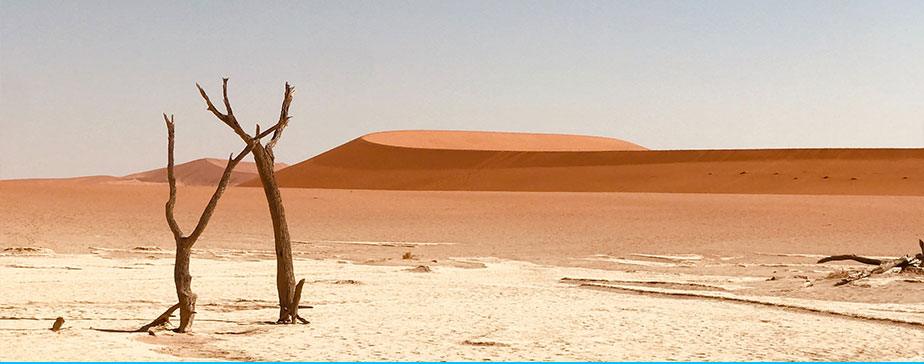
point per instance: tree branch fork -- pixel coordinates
(290, 293)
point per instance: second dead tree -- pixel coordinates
(289, 291)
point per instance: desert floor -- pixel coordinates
(514, 276)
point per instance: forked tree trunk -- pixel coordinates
(289, 292)
(181, 277)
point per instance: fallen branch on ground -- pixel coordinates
(908, 262)
(58, 323)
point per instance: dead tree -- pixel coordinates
(289, 291)
(184, 244)
(907, 262)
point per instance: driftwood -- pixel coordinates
(58, 323)
(289, 292)
(850, 257)
(907, 262)
(162, 320)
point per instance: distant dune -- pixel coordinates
(200, 172)
(482, 161)
(74, 180)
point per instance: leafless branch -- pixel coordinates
(163, 319)
(222, 184)
(229, 118)
(209, 105)
(224, 93)
(266, 132)
(283, 118)
(171, 180)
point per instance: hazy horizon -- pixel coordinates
(83, 84)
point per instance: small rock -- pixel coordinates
(420, 269)
(27, 250)
(147, 248)
(58, 323)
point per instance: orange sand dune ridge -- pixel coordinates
(487, 161)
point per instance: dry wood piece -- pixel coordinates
(850, 257)
(265, 161)
(162, 320)
(58, 323)
(293, 310)
(906, 263)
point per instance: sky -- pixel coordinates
(83, 83)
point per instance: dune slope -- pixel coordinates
(201, 172)
(427, 160)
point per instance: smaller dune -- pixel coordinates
(73, 180)
(201, 172)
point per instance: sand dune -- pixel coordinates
(201, 172)
(73, 180)
(497, 141)
(428, 160)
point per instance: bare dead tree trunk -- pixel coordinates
(266, 161)
(183, 281)
(184, 244)
(285, 272)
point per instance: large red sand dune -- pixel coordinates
(496, 141)
(450, 160)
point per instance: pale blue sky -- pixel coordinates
(83, 83)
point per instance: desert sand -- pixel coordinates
(513, 275)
